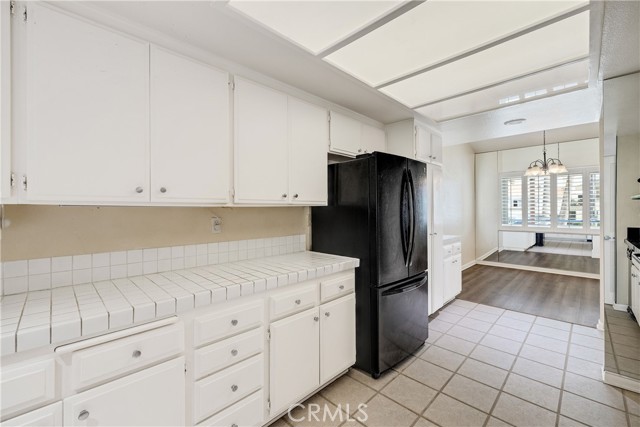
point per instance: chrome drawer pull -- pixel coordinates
(327, 314)
(234, 352)
(298, 302)
(83, 415)
(137, 353)
(341, 287)
(234, 322)
(234, 388)
(316, 318)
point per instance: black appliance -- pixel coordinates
(377, 212)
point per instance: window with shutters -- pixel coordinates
(594, 200)
(569, 200)
(539, 201)
(511, 188)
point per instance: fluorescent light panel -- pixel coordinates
(438, 30)
(316, 24)
(549, 46)
(568, 77)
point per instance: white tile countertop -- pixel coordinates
(38, 318)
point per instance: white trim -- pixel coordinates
(468, 265)
(621, 381)
(620, 307)
(540, 270)
(483, 256)
(600, 325)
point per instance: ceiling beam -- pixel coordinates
(486, 46)
(388, 17)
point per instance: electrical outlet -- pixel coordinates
(216, 225)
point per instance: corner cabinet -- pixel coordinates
(415, 140)
(350, 137)
(280, 147)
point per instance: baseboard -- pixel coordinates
(621, 381)
(482, 257)
(620, 307)
(540, 270)
(600, 325)
(468, 265)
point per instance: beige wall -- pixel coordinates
(32, 231)
(459, 197)
(487, 208)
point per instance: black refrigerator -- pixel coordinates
(378, 212)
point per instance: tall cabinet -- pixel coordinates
(436, 234)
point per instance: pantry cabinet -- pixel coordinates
(87, 111)
(350, 137)
(190, 138)
(152, 397)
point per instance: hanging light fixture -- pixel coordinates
(545, 166)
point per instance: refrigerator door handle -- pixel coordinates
(412, 211)
(405, 288)
(403, 218)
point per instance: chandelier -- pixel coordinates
(545, 166)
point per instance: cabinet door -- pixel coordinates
(436, 148)
(345, 135)
(337, 337)
(49, 416)
(422, 144)
(294, 359)
(437, 278)
(189, 130)
(308, 138)
(154, 396)
(87, 111)
(261, 153)
(373, 139)
(453, 277)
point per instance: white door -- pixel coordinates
(261, 152)
(373, 139)
(436, 148)
(87, 111)
(422, 144)
(345, 134)
(608, 200)
(308, 139)
(337, 336)
(294, 358)
(49, 416)
(436, 248)
(154, 396)
(189, 130)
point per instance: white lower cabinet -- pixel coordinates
(294, 359)
(247, 412)
(453, 277)
(48, 416)
(27, 386)
(337, 336)
(151, 397)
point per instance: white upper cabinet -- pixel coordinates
(350, 137)
(189, 130)
(261, 152)
(308, 138)
(414, 140)
(87, 111)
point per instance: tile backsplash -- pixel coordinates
(47, 273)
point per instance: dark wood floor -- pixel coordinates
(566, 298)
(583, 264)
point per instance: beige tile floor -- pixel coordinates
(484, 366)
(622, 343)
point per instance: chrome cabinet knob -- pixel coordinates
(327, 314)
(234, 388)
(137, 353)
(234, 425)
(298, 302)
(341, 287)
(163, 189)
(83, 415)
(295, 196)
(234, 352)
(284, 195)
(234, 322)
(139, 190)
(316, 318)
(359, 150)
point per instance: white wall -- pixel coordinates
(459, 197)
(487, 208)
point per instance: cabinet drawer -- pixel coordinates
(298, 299)
(448, 251)
(215, 357)
(457, 248)
(336, 287)
(44, 417)
(247, 412)
(27, 386)
(227, 322)
(105, 361)
(227, 387)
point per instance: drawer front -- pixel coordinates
(105, 361)
(457, 248)
(44, 417)
(227, 387)
(291, 302)
(336, 287)
(448, 251)
(215, 357)
(248, 412)
(27, 386)
(227, 322)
